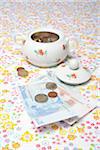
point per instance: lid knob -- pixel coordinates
(73, 64)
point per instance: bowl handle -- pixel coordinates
(72, 45)
(20, 39)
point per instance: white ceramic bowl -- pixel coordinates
(46, 54)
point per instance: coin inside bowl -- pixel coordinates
(45, 37)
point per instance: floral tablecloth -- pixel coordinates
(76, 18)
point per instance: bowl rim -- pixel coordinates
(52, 30)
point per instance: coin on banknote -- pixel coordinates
(51, 85)
(41, 98)
(52, 94)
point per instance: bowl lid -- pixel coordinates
(73, 77)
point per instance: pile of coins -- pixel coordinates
(41, 98)
(45, 37)
(22, 72)
(44, 40)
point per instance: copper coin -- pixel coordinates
(52, 94)
(41, 98)
(51, 86)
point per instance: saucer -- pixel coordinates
(73, 77)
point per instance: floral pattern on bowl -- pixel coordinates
(74, 76)
(41, 52)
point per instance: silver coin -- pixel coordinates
(51, 85)
(41, 98)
